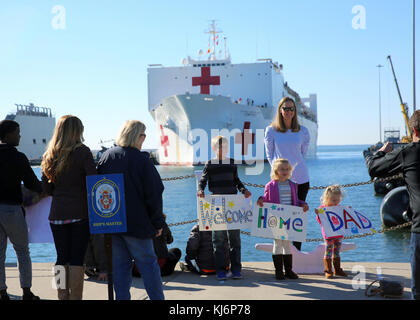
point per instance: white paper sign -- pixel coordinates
(344, 221)
(224, 212)
(276, 221)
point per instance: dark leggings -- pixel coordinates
(302, 193)
(71, 241)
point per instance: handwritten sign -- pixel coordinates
(344, 221)
(276, 221)
(224, 212)
(106, 203)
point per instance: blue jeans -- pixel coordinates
(125, 249)
(219, 246)
(415, 266)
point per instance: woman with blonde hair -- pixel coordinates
(286, 138)
(65, 165)
(143, 201)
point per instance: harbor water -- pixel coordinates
(333, 165)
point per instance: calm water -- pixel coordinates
(334, 164)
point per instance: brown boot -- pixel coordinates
(75, 284)
(61, 278)
(278, 265)
(337, 268)
(328, 268)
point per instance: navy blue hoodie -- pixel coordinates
(143, 189)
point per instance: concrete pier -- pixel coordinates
(258, 283)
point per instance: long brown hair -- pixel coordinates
(278, 121)
(67, 136)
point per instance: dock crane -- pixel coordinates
(404, 108)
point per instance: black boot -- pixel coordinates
(278, 265)
(288, 263)
(4, 295)
(28, 295)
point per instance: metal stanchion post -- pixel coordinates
(108, 251)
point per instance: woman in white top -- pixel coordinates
(285, 138)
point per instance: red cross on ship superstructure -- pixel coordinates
(246, 138)
(205, 81)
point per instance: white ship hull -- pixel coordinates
(187, 122)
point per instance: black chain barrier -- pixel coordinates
(401, 226)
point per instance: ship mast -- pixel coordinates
(213, 32)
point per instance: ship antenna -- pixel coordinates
(224, 38)
(213, 31)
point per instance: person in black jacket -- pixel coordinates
(199, 256)
(143, 201)
(14, 168)
(405, 160)
(221, 174)
(167, 258)
(95, 258)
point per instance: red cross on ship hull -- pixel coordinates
(245, 138)
(164, 141)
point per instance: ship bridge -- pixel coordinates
(30, 110)
(36, 129)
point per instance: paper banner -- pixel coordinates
(224, 212)
(39, 230)
(344, 221)
(276, 221)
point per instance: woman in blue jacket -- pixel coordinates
(143, 200)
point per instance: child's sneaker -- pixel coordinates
(221, 276)
(237, 275)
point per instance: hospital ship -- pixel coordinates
(206, 97)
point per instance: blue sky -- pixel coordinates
(96, 68)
